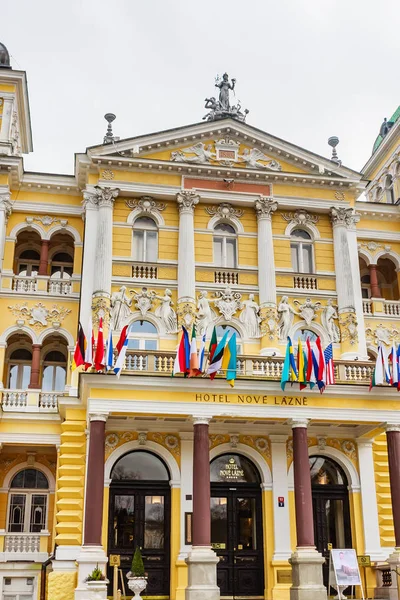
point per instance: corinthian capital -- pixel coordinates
(346, 217)
(187, 200)
(5, 204)
(90, 199)
(264, 207)
(106, 195)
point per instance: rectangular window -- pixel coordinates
(150, 344)
(230, 254)
(17, 513)
(138, 245)
(38, 513)
(307, 259)
(124, 521)
(154, 522)
(295, 257)
(218, 252)
(219, 523)
(151, 246)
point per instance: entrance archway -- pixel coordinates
(236, 525)
(330, 497)
(140, 515)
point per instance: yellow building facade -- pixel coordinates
(213, 224)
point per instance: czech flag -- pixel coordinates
(79, 353)
(182, 359)
(289, 371)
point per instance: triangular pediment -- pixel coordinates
(226, 144)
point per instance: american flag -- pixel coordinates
(330, 368)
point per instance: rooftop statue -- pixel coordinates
(221, 108)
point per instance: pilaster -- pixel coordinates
(187, 200)
(280, 488)
(5, 212)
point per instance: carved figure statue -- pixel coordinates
(253, 156)
(224, 87)
(228, 302)
(250, 317)
(286, 313)
(203, 154)
(328, 318)
(143, 300)
(204, 313)
(308, 310)
(120, 308)
(166, 313)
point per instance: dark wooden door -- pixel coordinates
(332, 527)
(140, 515)
(237, 538)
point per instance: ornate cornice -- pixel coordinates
(264, 207)
(187, 200)
(344, 217)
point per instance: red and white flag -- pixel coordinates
(89, 346)
(99, 361)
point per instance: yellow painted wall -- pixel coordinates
(383, 497)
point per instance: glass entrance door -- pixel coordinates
(236, 526)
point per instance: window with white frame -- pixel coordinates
(145, 240)
(54, 372)
(19, 370)
(143, 335)
(225, 246)
(28, 263)
(301, 248)
(28, 502)
(389, 191)
(61, 266)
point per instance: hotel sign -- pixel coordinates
(231, 471)
(251, 399)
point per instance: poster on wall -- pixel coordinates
(345, 566)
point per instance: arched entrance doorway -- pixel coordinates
(140, 515)
(330, 496)
(236, 525)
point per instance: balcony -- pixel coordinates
(226, 277)
(30, 401)
(24, 546)
(42, 285)
(305, 282)
(144, 271)
(258, 367)
(381, 307)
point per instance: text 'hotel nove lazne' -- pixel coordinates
(214, 224)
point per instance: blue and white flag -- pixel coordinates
(119, 365)
(109, 351)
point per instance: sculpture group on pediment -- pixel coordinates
(252, 157)
(202, 154)
(221, 108)
(121, 306)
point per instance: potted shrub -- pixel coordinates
(96, 580)
(137, 580)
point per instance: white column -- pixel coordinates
(6, 119)
(280, 489)
(5, 212)
(265, 207)
(186, 486)
(90, 204)
(103, 263)
(187, 200)
(368, 499)
(347, 273)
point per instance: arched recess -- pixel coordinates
(234, 221)
(366, 256)
(24, 465)
(60, 331)
(316, 327)
(64, 229)
(351, 472)
(137, 316)
(235, 323)
(28, 227)
(157, 449)
(309, 227)
(138, 212)
(16, 329)
(393, 256)
(251, 454)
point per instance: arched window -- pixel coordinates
(222, 329)
(389, 191)
(54, 372)
(145, 240)
(28, 500)
(28, 263)
(301, 250)
(325, 471)
(143, 336)
(225, 246)
(19, 371)
(139, 466)
(303, 334)
(61, 266)
(233, 468)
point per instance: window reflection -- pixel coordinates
(326, 472)
(139, 466)
(124, 521)
(154, 522)
(219, 522)
(246, 523)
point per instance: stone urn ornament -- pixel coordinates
(137, 580)
(96, 582)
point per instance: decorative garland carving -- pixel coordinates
(39, 315)
(146, 204)
(225, 211)
(269, 321)
(46, 220)
(300, 217)
(348, 328)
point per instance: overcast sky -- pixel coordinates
(306, 69)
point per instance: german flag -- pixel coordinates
(79, 354)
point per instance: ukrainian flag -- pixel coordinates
(289, 371)
(229, 360)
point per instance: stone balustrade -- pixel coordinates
(305, 282)
(29, 401)
(144, 271)
(32, 547)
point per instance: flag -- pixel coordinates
(398, 367)
(229, 360)
(194, 359)
(216, 361)
(99, 356)
(289, 371)
(123, 346)
(109, 351)
(395, 366)
(381, 371)
(321, 361)
(213, 345)
(310, 373)
(79, 353)
(182, 359)
(301, 368)
(329, 366)
(202, 351)
(89, 346)
(316, 369)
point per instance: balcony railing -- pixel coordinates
(378, 306)
(367, 307)
(391, 308)
(305, 282)
(59, 287)
(144, 271)
(24, 284)
(226, 277)
(258, 367)
(25, 546)
(43, 285)
(29, 401)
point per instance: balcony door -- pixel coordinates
(236, 526)
(139, 516)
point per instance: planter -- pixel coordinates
(136, 585)
(98, 589)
